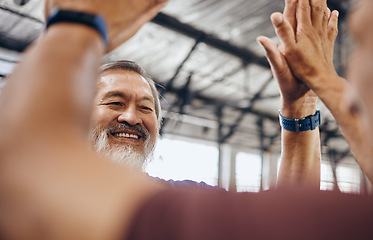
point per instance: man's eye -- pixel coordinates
(115, 103)
(145, 108)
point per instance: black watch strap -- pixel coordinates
(96, 22)
(300, 125)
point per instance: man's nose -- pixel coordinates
(130, 115)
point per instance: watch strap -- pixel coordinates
(310, 122)
(94, 21)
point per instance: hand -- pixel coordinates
(309, 49)
(123, 17)
(296, 96)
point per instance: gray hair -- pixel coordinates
(132, 66)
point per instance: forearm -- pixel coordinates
(332, 93)
(39, 119)
(48, 94)
(76, 194)
(52, 185)
(300, 156)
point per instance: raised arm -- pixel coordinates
(44, 111)
(309, 53)
(300, 152)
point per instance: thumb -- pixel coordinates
(283, 29)
(275, 58)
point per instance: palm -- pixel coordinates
(291, 88)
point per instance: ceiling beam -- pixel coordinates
(214, 102)
(175, 25)
(18, 44)
(192, 32)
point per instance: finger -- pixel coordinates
(303, 13)
(283, 29)
(319, 13)
(327, 18)
(290, 13)
(275, 58)
(333, 25)
(273, 54)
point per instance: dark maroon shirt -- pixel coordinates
(201, 214)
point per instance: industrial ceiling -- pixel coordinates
(214, 78)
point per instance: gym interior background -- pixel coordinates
(220, 100)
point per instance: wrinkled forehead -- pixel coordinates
(113, 75)
(119, 79)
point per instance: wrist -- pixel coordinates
(321, 83)
(333, 88)
(299, 108)
(310, 122)
(77, 35)
(93, 21)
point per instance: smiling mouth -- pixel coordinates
(126, 135)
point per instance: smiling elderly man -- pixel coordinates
(126, 115)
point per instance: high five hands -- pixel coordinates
(307, 30)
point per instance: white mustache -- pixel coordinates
(126, 126)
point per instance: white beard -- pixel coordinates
(124, 155)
